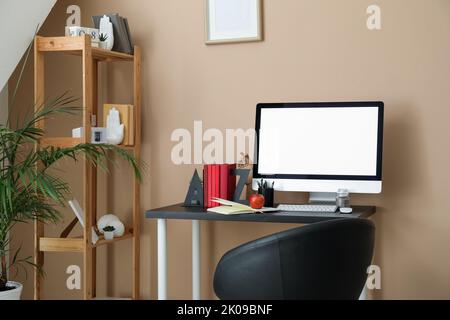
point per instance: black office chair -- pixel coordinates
(325, 260)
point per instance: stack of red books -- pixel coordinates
(218, 182)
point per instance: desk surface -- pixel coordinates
(192, 213)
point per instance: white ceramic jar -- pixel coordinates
(106, 27)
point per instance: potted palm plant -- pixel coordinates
(29, 189)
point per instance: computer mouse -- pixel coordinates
(346, 210)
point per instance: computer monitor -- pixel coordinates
(320, 147)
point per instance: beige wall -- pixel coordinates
(4, 104)
(314, 50)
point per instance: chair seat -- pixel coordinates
(326, 260)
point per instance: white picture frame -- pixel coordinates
(231, 21)
(98, 135)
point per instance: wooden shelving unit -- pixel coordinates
(91, 57)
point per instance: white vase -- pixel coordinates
(109, 235)
(103, 45)
(106, 27)
(13, 294)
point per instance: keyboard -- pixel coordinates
(329, 208)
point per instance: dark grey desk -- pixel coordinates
(178, 212)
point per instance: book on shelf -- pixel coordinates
(77, 210)
(130, 41)
(228, 207)
(79, 213)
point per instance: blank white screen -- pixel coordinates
(320, 141)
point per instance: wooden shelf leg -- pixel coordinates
(89, 253)
(94, 179)
(137, 186)
(39, 92)
(38, 259)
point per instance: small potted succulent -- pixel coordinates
(109, 232)
(103, 37)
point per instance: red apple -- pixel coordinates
(256, 201)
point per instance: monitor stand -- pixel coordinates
(322, 197)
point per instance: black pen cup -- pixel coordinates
(268, 194)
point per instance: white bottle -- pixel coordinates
(106, 27)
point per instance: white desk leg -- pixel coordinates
(195, 260)
(162, 259)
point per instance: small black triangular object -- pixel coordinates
(194, 197)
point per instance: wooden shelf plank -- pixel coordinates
(60, 142)
(121, 146)
(108, 55)
(51, 44)
(127, 235)
(74, 45)
(76, 244)
(61, 244)
(63, 142)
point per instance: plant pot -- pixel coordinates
(109, 235)
(13, 294)
(103, 45)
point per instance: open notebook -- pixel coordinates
(230, 207)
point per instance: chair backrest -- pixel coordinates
(326, 260)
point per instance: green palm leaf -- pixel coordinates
(28, 189)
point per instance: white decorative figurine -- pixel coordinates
(114, 129)
(110, 220)
(119, 228)
(105, 220)
(106, 28)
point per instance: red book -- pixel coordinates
(224, 180)
(231, 181)
(205, 186)
(216, 184)
(213, 184)
(209, 185)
